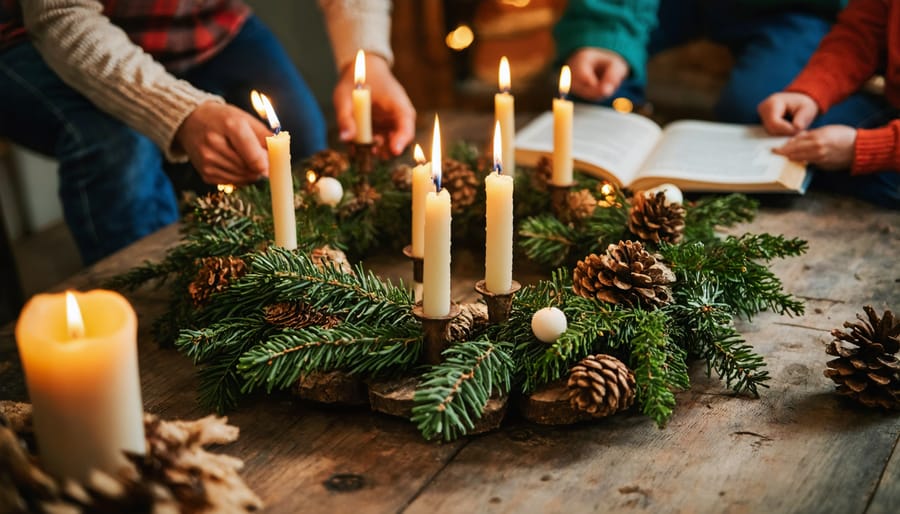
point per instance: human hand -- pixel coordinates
(393, 115)
(596, 72)
(787, 113)
(225, 144)
(830, 147)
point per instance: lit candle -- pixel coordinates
(422, 184)
(362, 101)
(505, 113)
(436, 262)
(499, 226)
(82, 377)
(562, 131)
(281, 182)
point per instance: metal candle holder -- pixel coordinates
(361, 155)
(418, 264)
(558, 198)
(436, 332)
(498, 304)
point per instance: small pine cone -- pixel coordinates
(219, 208)
(580, 205)
(328, 163)
(626, 274)
(365, 197)
(601, 385)
(298, 316)
(462, 183)
(402, 177)
(327, 255)
(870, 372)
(472, 319)
(214, 276)
(654, 219)
(543, 174)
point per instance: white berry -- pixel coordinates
(672, 193)
(329, 191)
(548, 324)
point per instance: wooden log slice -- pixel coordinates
(337, 387)
(493, 415)
(550, 405)
(393, 397)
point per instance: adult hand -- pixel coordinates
(596, 73)
(225, 144)
(830, 147)
(785, 114)
(393, 115)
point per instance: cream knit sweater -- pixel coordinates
(97, 59)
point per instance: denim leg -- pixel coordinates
(255, 59)
(112, 186)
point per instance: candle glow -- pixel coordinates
(504, 80)
(359, 69)
(436, 153)
(498, 148)
(419, 154)
(565, 81)
(74, 319)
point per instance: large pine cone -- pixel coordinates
(219, 209)
(654, 219)
(870, 372)
(461, 182)
(298, 316)
(580, 205)
(214, 276)
(601, 385)
(328, 163)
(401, 176)
(364, 197)
(543, 174)
(626, 274)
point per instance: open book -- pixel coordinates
(632, 151)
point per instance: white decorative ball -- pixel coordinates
(329, 191)
(548, 324)
(673, 194)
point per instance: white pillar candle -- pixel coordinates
(83, 381)
(562, 131)
(436, 264)
(281, 182)
(422, 184)
(362, 101)
(499, 224)
(505, 113)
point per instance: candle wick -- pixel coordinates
(359, 85)
(498, 168)
(276, 129)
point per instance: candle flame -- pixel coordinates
(504, 79)
(498, 148)
(565, 81)
(226, 188)
(74, 321)
(311, 176)
(257, 103)
(270, 113)
(436, 153)
(418, 154)
(359, 69)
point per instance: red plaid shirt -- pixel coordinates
(177, 33)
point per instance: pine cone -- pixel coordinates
(327, 255)
(580, 205)
(462, 183)
(626, 274)
(654, 219)
(543, 174)
(402, 177)
(298, 316)
(365, 197)
(601, 385)
(328, 163)
(219, 208)
(214, 276)
(869, 373)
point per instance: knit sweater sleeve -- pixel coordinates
(97, 59)
(877, 149)
(358, 24)
(622, 26)
(848, 56)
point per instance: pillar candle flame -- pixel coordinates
(74, 320)
(498, 148)
(504, 79)
(436, 154)
(418, 154)
(565, 81)
(359, 69)
(263, 107)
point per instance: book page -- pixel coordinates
(601, 139)
(716, 153)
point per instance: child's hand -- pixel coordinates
(829, 147)
(785, 114)
(596, 72)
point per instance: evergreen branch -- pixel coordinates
(280, 360)
(454, 393)
(735, 361)
(706, 214)
(651, 364)
(546, 240)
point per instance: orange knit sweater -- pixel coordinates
(864, 41)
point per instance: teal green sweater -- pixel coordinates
(624, 26)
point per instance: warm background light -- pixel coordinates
(311, 176)
(516, 3)
(622, 104)
(460, 38)
(226, 188)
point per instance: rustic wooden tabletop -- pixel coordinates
(798, 448)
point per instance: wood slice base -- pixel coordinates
(549, 405)
(335, 387)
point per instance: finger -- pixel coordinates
(245, 142)
(343, 110)
(404, 130)
(772, 114)
(585, 82)
(615, 72)
(803, 117)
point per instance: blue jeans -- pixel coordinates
(111, 180)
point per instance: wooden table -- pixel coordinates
(798, 448)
